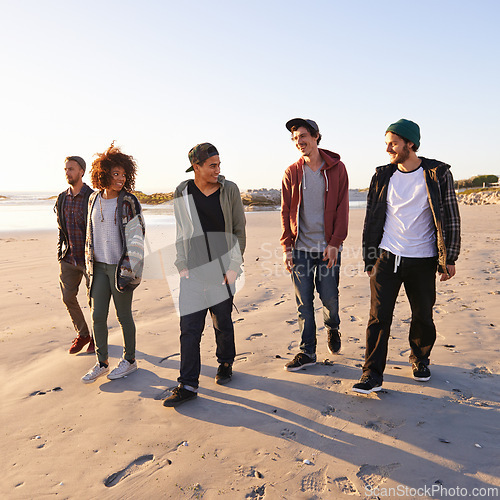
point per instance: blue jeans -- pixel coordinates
(310, 270)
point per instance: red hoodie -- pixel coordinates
(336, 201)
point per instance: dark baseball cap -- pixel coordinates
(200, 153)
(300, 122)
(78, 160)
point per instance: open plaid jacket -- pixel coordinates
(443, 203)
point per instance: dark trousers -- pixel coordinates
(419, 279)
(103, 288)
(198, 299)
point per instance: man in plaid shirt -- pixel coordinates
(412, 229)
(71, 208)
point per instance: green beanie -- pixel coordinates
(407, 129)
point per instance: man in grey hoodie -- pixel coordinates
(210, 242)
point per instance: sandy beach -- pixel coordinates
(269, 434)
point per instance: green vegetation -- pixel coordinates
(476, 181)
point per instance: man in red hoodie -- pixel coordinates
(314, 219)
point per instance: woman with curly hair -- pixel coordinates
(114, 252)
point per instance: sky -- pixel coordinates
(159, 77)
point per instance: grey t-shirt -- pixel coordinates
(311, 236)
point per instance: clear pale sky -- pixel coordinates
(161, 76)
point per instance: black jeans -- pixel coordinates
(198, 299)
(419, 279)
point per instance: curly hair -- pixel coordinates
(100, 175)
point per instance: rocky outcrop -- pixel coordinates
(261, 197)
(153, 199)
(480, 198)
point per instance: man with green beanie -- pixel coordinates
(411, 229)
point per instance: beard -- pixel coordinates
(401, 157)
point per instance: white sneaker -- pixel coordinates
(123, 369)
(94, 373)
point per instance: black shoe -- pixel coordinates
(300, 361)
(367, 385)
(224, 373)
(334, 341)
(179, 396)
(421, 372)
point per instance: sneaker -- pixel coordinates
(179, 396)
(367, 385)
(123, 369)
(224, 373)
(91, 347)
(94, 373)
(79, 343)
(334, 342)
(421, 372)
(300, 361)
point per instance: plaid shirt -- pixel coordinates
(74, 216)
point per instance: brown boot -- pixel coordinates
(79, 343)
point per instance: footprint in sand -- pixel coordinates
(242, 356)
(255, 335)
(481, 371)
(41, 393)
(288, 434)
(291, 321)
(257, 492)
(383, 426)
(346, 309)
(249, 472)
(314, 482)
(328, 411)
(132, 468)
(345, 485)
(373, 476)
(251, 307)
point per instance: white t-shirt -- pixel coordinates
(409, 227)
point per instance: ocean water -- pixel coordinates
(29, 211)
